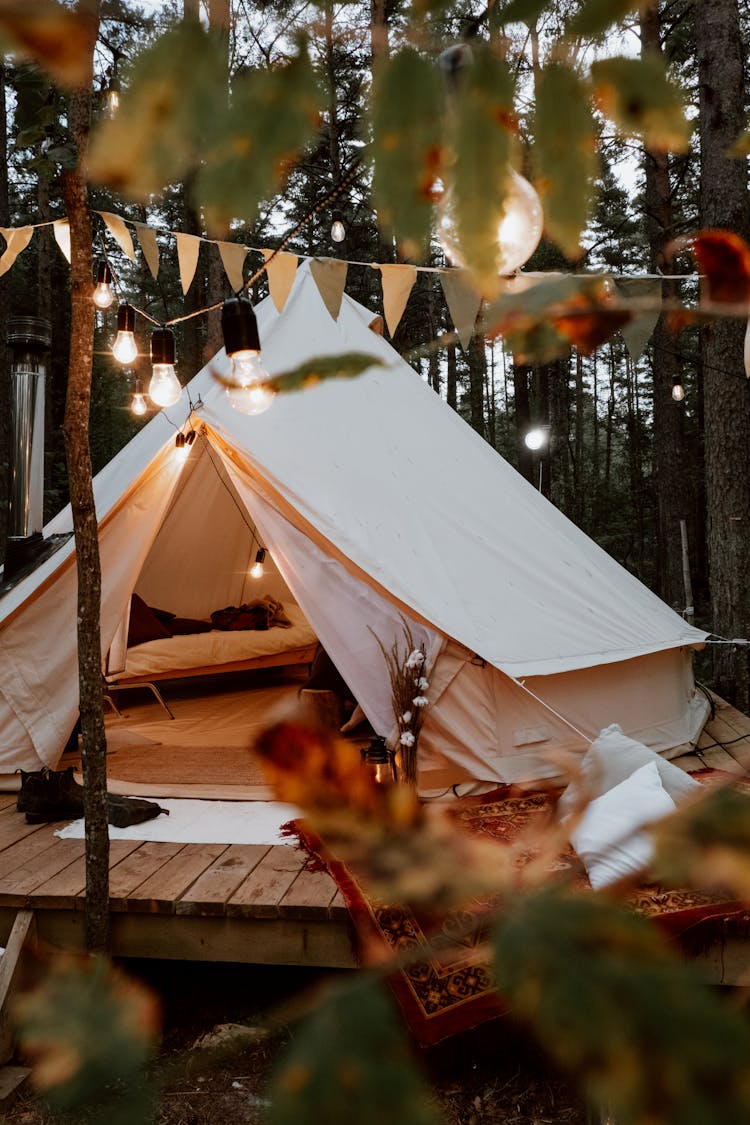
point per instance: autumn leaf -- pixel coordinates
(407, 96)
(565, 158)
(724, 260)
(313, 371)
(638, 95)
(56, 38)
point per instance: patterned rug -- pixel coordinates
(453, 990)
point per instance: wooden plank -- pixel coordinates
(159, 893)
(718, 759)
(21, 934)
(66, 889)
(130, 872)
(310, 896)
(212, 890)
(27, 849)
(13, 827)
(17, 885)
(259, 895)
(8, 801)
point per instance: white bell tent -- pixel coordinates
(378, 504)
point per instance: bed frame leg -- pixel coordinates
(159, 698)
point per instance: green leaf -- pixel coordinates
(483, 126)
(707, 843)
(350, 1062)
(640, 98)
(348, 365)
(565, 158)
(598, 16)
(406, 116)
(522, 11)
(27, 138)
(635, 1027)
(244, 165)
(173, 103)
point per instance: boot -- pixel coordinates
(48, 795)
(124, 811)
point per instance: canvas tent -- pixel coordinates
(377, 504)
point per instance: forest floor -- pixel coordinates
(485, 1077)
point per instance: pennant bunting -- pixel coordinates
(61, 228)
(188, 248)
(122, 236)
(637, 332)
(17, 239)
(463, 303)
(233, 256)
(398, 282)
(281, 272)
(149, 246)
(330, 277)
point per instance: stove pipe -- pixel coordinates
(29, 340)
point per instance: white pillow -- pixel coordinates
(610, 759)
(608, 839)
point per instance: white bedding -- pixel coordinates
(199, 650)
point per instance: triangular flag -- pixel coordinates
(188, 248)
(17, 238)
(233, 256)
(61, 228)
(463, 302)
(281, 272)
(637, 332)
(398, 282)
(149, 246)
(122, 236)
(330, 277)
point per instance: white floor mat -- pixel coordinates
(205, 822)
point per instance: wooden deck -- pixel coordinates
(221, 902)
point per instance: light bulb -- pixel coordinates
(246, 369)
(254, 399)
(138, 406)
(519, 227)
(164, 388)
(113, 95)
(678, 391)
(103, 295)
(125, 348)
(535, 438)
(256, 570)
(181, 447)
(338, 226)
(251, 393)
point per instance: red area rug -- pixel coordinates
(453, 989)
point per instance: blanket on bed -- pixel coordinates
(453, 988)
(262, 613)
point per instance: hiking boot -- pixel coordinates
(48, 795)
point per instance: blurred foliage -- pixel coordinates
(351, 1061)
(706, 844)
(89, 1032)
(346, 365)
(611, 1005)
(641, 99)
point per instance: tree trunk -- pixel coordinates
(78, 454)
(672, 488)
(724, 203)
(451, 390)
(477, 372)
(523, 419)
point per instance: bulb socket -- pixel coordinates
(125, 317)
(162, 346)
(239, 326)
(103, 274)
(179, 441)
(260, 556)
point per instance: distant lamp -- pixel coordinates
(112, 95)
(181, 447)
(125, 348)
(256, 570)
(338, 226)
(678, 391)
(379, 761)
(103, 295)
(250, 392)
(535, 438)
(519, 227)
(138, 406)
(164, 388)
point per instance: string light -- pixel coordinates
(103, 295)
(338, 226)
(138, 406)
(519, 226)
(181, 447)
(125, 348)
(678, 391)
(250, 393)
(164, 388)
(112, 94)
(256, 570)
(536, 437)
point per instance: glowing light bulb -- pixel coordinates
(254, 399)
(678, 391)
(256, 570)
(338, 226)
(113, 96)
(535, 438)
(125, 348)
(251, 393)
(138, 405)
(164, 388)
(103, 295)
(519, 228)
(181, 447)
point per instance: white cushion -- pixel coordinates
(613, 757)
(608, 837)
